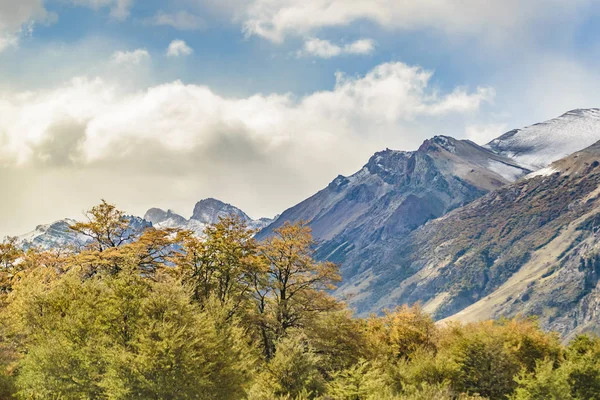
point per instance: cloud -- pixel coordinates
(17, 19)
(325, 49)
(14, 14)
(181, 20)
(183, 142)
(8, 40)
(485, 133)
(277, 19)
(179, 48)
(135, 57)
(362, 46)
(119, 9)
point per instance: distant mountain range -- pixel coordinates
(469, 231)
(206, 212)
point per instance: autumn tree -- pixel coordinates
(106, 227)
(296, 286)
(223, 264)
(10, 255)
(114, 242)
(398, 334)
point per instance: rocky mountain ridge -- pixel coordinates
(206, 212)
(395, 193)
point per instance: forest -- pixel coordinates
(164, 314)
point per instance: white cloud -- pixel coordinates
(325, 49)
(485, 133)
(119, 9)
(277, 19)
(320, 48)
(179, 117)
(179, 48)
(362, 46)
(135, 57)
(181, 20)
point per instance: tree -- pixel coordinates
(106, 227)
(295, 287)
(113, 243)
(10, 255)
(583, 361)
(223, 264)
(399, 333)
(486, 364)
(546, 382)
(123, 336)
(338, 339)
(292, 373)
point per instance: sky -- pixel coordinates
(261, 103)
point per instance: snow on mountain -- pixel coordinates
(206, 212)
(164, 219)
(539, 145)
(59, 234)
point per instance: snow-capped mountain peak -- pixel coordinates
(206, 212)
(209, 210)
(537, 146)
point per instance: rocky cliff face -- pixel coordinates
(208, 211)
(528, 248)
(392, 195)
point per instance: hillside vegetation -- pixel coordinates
(167, 315)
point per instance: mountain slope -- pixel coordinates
(559, 282)
(539, 145)
(531, 247)
(394, 194)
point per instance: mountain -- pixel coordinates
(539, 145)
(59, 234)
(206, 212)
(393, 194)
(169, 219)
(539, 246)
(529, 248)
